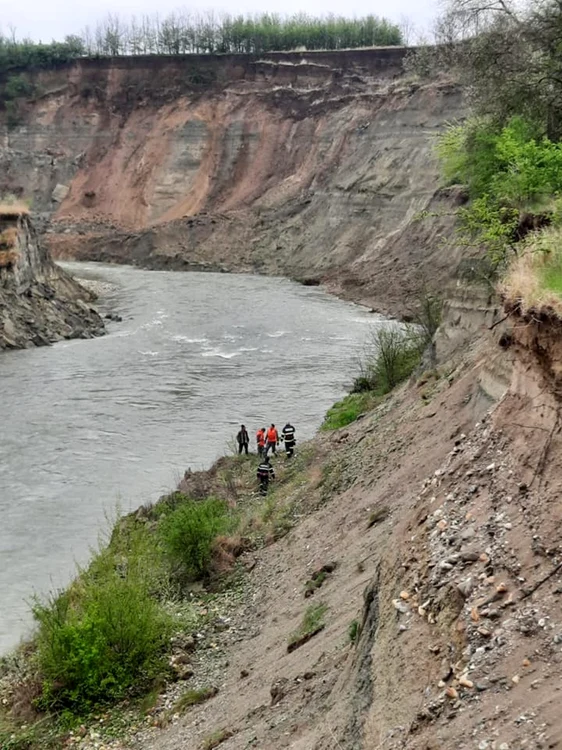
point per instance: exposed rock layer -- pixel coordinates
(39, 302)
(318, 166)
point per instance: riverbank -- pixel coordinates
(398, 586)
(115, 421)
(357, 558)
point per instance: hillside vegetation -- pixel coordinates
(508, 155)
(183, 33)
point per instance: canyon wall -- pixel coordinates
(314, 165)
(39, 303)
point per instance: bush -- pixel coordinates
(511, 171)
(398, 353)
(98, 639)
(189, 533)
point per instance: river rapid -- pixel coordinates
(90, 426)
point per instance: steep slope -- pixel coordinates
(439, 519)
(315, 166)
(39, 302)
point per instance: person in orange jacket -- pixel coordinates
(260, 440)
(272, 439)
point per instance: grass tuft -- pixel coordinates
(312, 623)
(533, 283)
(216, 739)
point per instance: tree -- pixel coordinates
(507, 55)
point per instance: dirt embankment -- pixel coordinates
(39, 303)
(316, 166)
(436, 519)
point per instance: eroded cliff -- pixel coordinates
(312, 165)
(39, 302)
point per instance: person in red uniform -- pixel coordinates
(272, 439)
(260, 441)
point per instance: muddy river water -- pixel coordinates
(88, 426)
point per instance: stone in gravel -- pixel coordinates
(183, 671)
(474, 616)
(465, 682)
(526, 662)
(277, 690)
(469, 555)
(515, 679)
(400, 606)
(465, 587)
(452, 693)
(404, 595)
(244, 673)
(446, 670)
(484, 632)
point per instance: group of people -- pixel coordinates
(266, 441)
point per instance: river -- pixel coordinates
(89, 426)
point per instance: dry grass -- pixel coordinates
(13, 210)
(8, 258)
(8, 238)
(533, 283)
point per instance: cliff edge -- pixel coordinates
(39, 302)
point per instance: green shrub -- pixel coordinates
(347, 410)
(189, 532)
(511, 171)
(354, 631)
(98, 639)
(398, 353)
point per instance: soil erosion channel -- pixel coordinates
(89, 424)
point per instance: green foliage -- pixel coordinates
(392, 356)
(27, 54)
(16, 87)
(514, 164)
(102, 636)
(398, 353)
(508, 170)
(354, 631)
(312, 622)
(193, 698)
(181, 33)
(189, 533)
(347, 410)
(216, 738)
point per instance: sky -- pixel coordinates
(44, 21)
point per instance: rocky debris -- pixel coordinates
(473, 580)
(278, 690)
(39, 302)
(59, 193)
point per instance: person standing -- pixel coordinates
(260, 441)
(265, 474)
(243, 440)
(272, 439)
(288, 435)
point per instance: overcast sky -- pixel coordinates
(53, 19)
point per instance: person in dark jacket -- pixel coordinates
(288, 435)
(243, 440)
(265, 474)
